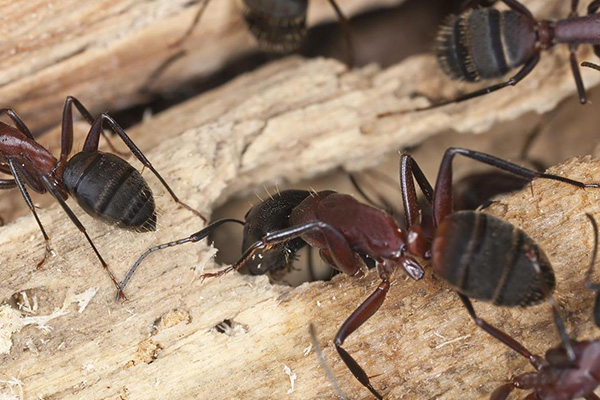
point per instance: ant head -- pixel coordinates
(267, 217)
(275, 258)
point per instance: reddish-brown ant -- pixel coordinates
(480, 256)
(484, 43)
(104, 185)
(557, 375)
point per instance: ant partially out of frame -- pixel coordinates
(104, 185)
(279, 26)
(484, 43)
(558, 375)
(478, 255)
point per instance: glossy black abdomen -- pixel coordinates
(484, 43)
(110, 189)
(485, 258)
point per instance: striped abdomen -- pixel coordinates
(485, 258)
(110, 189)
(278, 25)
(484, 43)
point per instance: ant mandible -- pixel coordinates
(484, 43)
(557, 375)
(104, 185)
(480, 256)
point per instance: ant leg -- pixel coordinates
(577, 73)
(574, 5)
(54, 191)
(410, 170)
(66, 144)
(191, 28)
(350, 58)
(503, 392)
(588, 282)
(442, 198)
(365, 311)
(195, 237)
(7, 184)
(536, 361)
(146, 87)
(14, 169)
(91, 144)
(339, 249)
(382, 203)
(522, 73)
(17, 121)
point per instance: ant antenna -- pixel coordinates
(201, 234)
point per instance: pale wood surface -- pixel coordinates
(288, 120)
(161, 344)
(105, 50)
(104, 351)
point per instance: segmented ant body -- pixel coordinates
(485, 43)
(559, 376)
(104, 185)
(480, 256)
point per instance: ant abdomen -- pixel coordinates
(123, 199)
(278, 25)
(487, 258)
(484, 43)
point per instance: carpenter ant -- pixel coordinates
(557, 375)
(104, 185)
(278, 25)
(484, 43)
(480, 256)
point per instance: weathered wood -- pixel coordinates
(162, 343)
(295, 118)
(110, 350)
(105, 50)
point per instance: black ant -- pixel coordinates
(559, 376)
(484, 43)
(104, 185)
(480, 256)
(279, 26)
